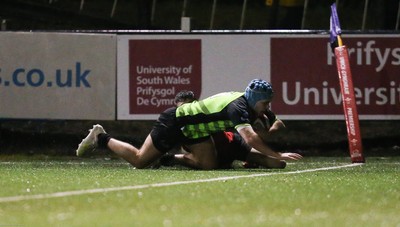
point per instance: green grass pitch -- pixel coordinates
(48, 191)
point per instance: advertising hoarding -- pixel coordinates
(304, 75)
(301, 68)
(57, 76)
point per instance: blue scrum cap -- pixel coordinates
(258, 90)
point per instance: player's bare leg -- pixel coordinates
(200, 156)
(139, 158)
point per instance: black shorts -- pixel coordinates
(230, 146)
(167, 134)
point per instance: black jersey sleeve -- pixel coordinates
(238, 112)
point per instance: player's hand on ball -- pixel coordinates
(290, 156)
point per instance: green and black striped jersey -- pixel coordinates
(217, 113)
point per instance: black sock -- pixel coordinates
(103, 139)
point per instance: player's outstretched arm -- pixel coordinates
(255, 141)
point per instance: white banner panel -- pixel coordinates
(152, 69)
(57, 76)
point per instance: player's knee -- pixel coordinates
(138, 162)
(208, 165)
(139, 165)
(282, 164)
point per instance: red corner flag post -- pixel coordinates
(347, 89)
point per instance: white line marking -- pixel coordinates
(157, 185)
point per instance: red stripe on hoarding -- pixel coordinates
(349, 104)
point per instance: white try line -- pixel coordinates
(157, 185)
